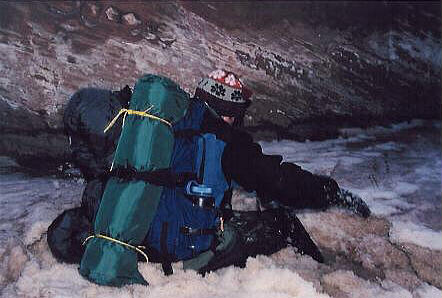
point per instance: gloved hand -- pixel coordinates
(336, 196)
(352, 202)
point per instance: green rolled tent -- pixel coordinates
(128, 206)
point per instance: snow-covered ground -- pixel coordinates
(394, 253)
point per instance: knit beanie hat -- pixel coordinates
(225, 93)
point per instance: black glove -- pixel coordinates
(349, 200)
(336, 196)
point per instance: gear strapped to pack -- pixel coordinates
(136, 248)
(128, 208)
(134, 112)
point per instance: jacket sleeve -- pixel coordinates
(287, 183)
(244, 162)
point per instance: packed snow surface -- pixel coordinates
(396, 169)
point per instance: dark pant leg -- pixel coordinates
(263, 233)
(260, 233)
(253, 234)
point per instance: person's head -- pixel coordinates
(225, 93)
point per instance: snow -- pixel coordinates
(427, 291)
(409, 232)
(426, 49)
(397, 169)
(356, 287)
(261, 277)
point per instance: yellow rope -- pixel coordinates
(136, 248)
(134, 112)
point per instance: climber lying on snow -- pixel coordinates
(167, 195)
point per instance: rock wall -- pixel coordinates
(313, 66)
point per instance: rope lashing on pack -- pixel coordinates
(135, 112)
(136, 248)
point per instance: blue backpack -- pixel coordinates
(187, 216)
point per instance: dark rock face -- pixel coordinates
(313, 66)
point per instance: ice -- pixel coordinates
(427, 291)
(397, 252)
(354, 286)
(404, 188)
(409, 232)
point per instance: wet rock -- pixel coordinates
(339, 232)
(150, 36)
(90, 13)
(167, 41)
(94, 8)
(377, 252)
(355, 242)
(313, 67)
(425, 291)
(135, 32)
(405, 278)
(360, 245)
(427, 263)
(131, 19)
(47, 149)
(345, 284)
(71, 59)
(113, 14)
(65, 8)
(13, 259)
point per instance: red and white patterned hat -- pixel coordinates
(224, 92)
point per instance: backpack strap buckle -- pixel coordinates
(200, 195)
(196, 232)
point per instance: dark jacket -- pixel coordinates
(244, 162)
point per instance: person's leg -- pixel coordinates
(301, 189)
(268, 231)
(261, 233)
(229, 251)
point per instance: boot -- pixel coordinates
(297, 236)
